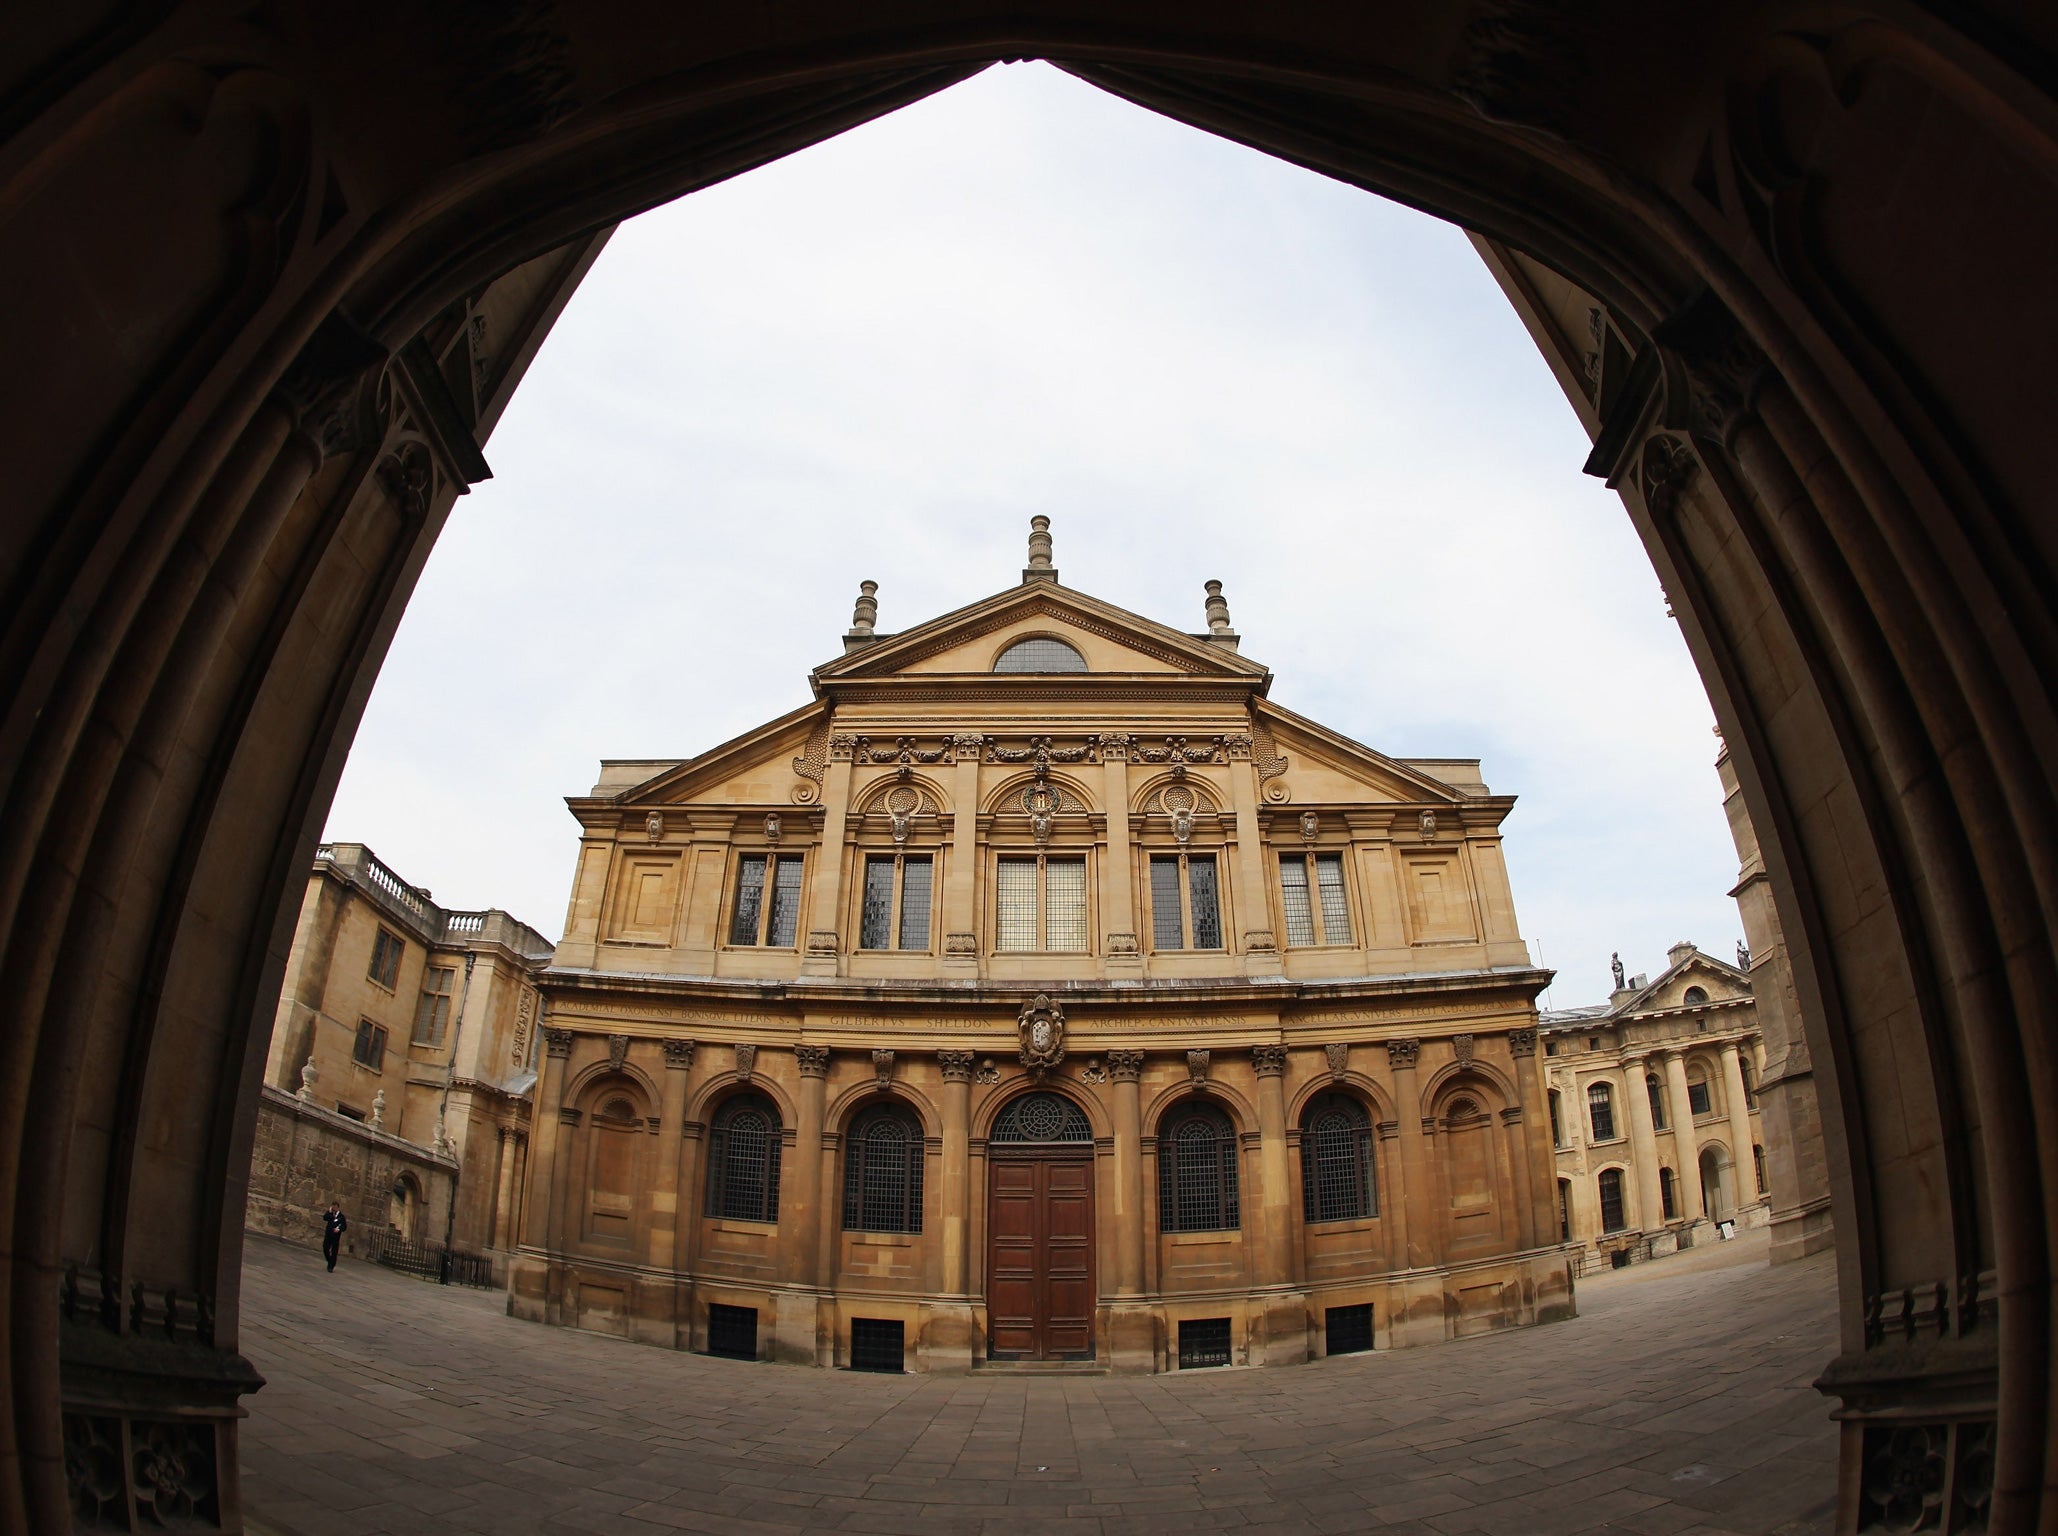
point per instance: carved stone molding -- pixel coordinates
(678, 1055)
(961, 944)
(814, 1060)
(1462, 1047)
(617, 1052)
(1121, 943)
(408, 475)
(882, 1066)
(821, 941)
(1270, 1060)
(746, 1061)
(1125, 1066)
(1669, 467)
(1402, 1053)
(1521, 1042)
(1339, 1055)
(1197, 1067)
(557, 1042)
(956, 1065)
(1259, 941)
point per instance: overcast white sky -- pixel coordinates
(878, 358)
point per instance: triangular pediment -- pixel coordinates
(1110, 641)
(1325, 766)
(1719, 981)
(755, 769)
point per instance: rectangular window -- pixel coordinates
(915, 879)
(1612, 1218)
(782, 928)
(767, 907)
(1697, 1097)
(1311, 889)
(1203, 1341)
(370, 1049)
(875, 924)
(387, 949)
(1348, 1330)
(1055, 922)
(432, 1013)
(1185, 907)
(1167, 930)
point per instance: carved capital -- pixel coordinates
(1238, 746)
(1270, 1060)
(1114, 747)
(558, 1042)
(678, 1054)
(1402, 1053)
(1126, 1066)
(956, 1065)
(842, 747)
(813, 1059)
(1522, 1042)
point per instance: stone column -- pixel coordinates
(1529, 1145)
(503, 1194)
(821, 951)
(1686, 1141)
(1126, 1068)
(1253, 890)
(1415, 1171)
(1746, 1175)
(1275, 1265)
(954, 1199)
(664, 1199)
(960, 915)
(1118, 882)
(540, 1216)
(1643, 1145)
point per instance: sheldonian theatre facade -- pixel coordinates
(1041, 992)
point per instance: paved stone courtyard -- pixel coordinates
(1678, 1402)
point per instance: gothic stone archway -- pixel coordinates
(272, 277)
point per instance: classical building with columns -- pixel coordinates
(1040, 993)
(1654, 1111)
(401, 1068)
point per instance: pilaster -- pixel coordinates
(822, 945)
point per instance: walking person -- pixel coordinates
(334, 1225)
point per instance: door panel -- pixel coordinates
(1039, 1289)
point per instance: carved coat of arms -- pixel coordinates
(1042, 1028)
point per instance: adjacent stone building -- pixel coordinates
(401, 1063)
(1654, 1111)
(1040, 992)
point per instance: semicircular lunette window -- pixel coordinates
(1040, 654)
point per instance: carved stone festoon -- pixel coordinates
(1197, 1067)
(557, 1042)
(1041, 1027)
(1521, 1042)
(882, 1067)
(1461, 1047)
(746, 1061)
(678, 1055)
(1339, 1055)
(1270, 1060)
(956, 1065)
(1125, 1066)
(1402, 1053)
(813, 1059)
(617, 1052)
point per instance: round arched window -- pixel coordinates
(1040, 653)
(1197, 1172)
(882, 1172)
(743, 1160)
(1336, 1160)
(1695, 995)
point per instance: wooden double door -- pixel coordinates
(1040, 1293)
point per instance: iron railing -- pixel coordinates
(447, 1266)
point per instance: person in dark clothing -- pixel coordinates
(334, 1225)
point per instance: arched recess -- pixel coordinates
(273, 302)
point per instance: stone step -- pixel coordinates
(1040, 1367)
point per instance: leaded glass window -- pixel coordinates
(882, 1173)
(743, 1160)
(1697, 1096)
(1040, 654)
(1600, 1109)
(896, 902)
(432, 1008)
(1044, 1117)
(917, 879)
(1667, 1200)
(1311, 890)
(875, 926)
(1197, 1189)
(1057, 921)
(1657, 1098)
(1336, 1160)
(767, 909)
(1185, 911)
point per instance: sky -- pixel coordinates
(877, 358)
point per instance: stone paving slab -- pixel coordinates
(1677, 1404)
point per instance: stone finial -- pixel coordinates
(1682, 951)
(379, 1110)
(1039, 567)
(1218, 610)
(308, 1075)
(864, 617)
